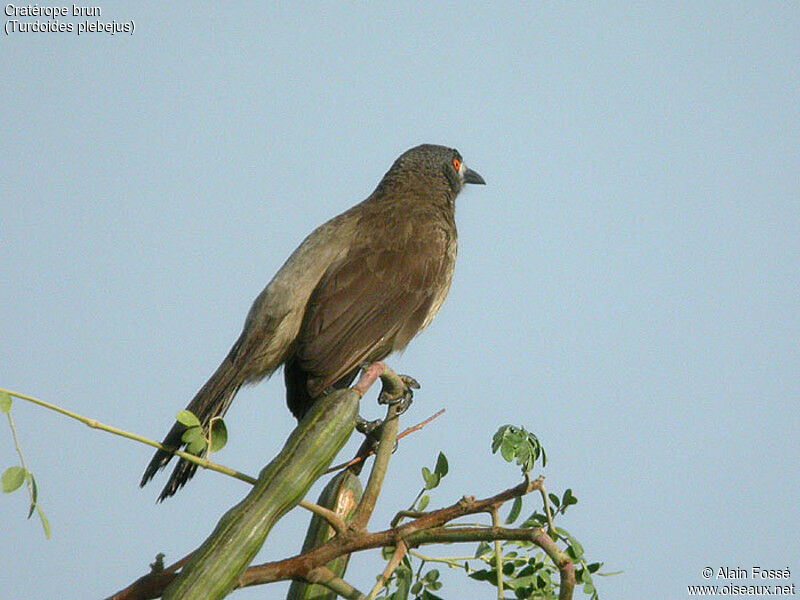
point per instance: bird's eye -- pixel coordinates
(456, 164)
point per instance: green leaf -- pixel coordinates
(497, 439)
(192, 434)
(568, 499)
(507, 450)
(515, 510)
(416, 588)
(482, 549)
(196, 447)
(441, 465)
(219, 435)
(12, 478)
(574, 549)
(194, 440)
(403, 583)
(45, 522)
(5, 402)
(188, 418)
(422, 504)
(431, 479)
(483, 575)
(431, 576)
(34, 494)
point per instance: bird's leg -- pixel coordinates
(397, 389)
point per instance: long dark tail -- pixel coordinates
(212, 400)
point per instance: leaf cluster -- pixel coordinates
(198, 440)
(525, 569)
(516, 444)
(408, 583)
(432, 480)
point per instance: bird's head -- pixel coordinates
(430, 164)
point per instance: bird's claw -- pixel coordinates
(368, 427)
(405, 398)
(372, 430)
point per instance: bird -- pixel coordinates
(357, 289)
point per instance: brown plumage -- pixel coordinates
(357, 289)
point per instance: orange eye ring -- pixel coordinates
(456, 164)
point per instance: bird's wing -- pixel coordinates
(369, 303)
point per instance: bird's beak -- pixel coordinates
(471, 176)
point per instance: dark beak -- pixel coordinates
(471, 176)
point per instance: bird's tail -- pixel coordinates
(211, 401)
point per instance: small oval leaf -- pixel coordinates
(219, 435)
(441, 465)
(515, 510)
(188, 418)
(192, 434)
(12, 478)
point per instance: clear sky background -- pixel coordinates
(627, 285)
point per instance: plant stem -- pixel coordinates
(201, 462)
(498, 555)
(399, 552)
(28, 482)
(551, 531)
(456, 562)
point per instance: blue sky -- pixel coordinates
(627, 284)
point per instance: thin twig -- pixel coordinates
(19, 452)
(498, 554)
(324, 576)
(411, 514)
(397, 556)
(546, 501)
(201, 462)
(455, 562)
(362, 457)
(333, 519)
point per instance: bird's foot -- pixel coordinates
(372, 430)
(368, 428)
(402, 397)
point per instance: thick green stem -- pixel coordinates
(215, 567)
(338, 501)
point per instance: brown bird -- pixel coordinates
(355, 290)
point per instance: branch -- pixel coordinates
(355, 541)
(498, 554)
(446, 535)
(427, 529)
(215, 568)
(394, 386)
